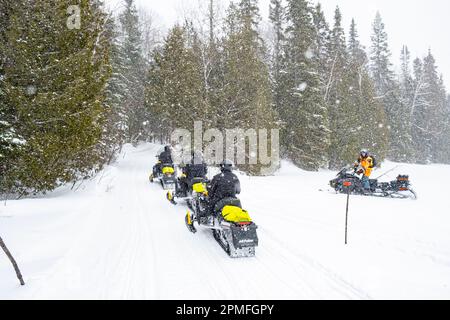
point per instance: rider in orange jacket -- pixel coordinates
(365, 163)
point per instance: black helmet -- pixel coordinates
(364, 153)
(167, 148)
(226, 166)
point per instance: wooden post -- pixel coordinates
(14, 263)
(346, 217)
(347, 185)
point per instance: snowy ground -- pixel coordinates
(117, 237)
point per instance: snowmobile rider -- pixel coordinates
(365, 163)
(164, 157)
(197, 168)
(224, 185)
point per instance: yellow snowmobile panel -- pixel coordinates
(168, 170)
(199, 187)
(235, 214)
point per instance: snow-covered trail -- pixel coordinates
(117, 237)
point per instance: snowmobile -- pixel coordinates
(166, 176)
(231, 226)
(193, 196)
(347, 180)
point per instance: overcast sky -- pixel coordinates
(420, 24)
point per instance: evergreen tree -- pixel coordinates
(442, 145)
(429, 112)
(357, 118)
(388, 91)
(131, 65)
(322, 48)
(380, 64)
(175, 87)
(247, 99)
(248, 14)
(406, 100)
(306, 134)
(370, 116)
(115, 127)
(355, 48)
(343, 112)
(277, 17)
(208, 60)
(8, 138)
(54, 81)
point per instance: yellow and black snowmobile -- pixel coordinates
(231, 225)
(193, 193)
(166, 175)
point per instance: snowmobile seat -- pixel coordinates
(235, 202)
(235, 214)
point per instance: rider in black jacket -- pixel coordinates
(164, 157)
(197, 168)
(224, 185)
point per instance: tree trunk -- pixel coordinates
(11, 258)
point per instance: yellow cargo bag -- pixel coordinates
(168, 170)
(235, 214)
(199, 187)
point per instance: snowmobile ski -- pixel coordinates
(170, 197)
(190, 223)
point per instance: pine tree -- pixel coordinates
(429, 125)
(175, 88)
(406, 150)
(389, 92)
(356, 50)
(322, 48)
(115, 126)
(8, 138)
(344, 120)
(306, 134)
(277, 17)
(370, 116)
(380, 64)
(207, 55)
(131, 65)
(247, 99)
(54, 81)
(248, 12)
(442, 145)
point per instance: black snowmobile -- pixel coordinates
(348, 180)
(166, 176)
(232, 226)
(193, 195)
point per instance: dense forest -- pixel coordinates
(70, 97)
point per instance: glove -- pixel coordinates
(360, 171)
